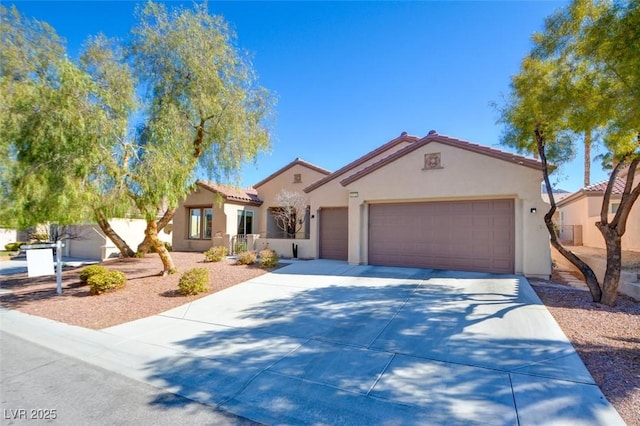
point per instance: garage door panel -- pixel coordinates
(474, 235)
(334, 235)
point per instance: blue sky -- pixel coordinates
(350, 76)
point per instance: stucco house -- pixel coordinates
(579, 212)
(433, 202)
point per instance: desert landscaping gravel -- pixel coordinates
(607, 339)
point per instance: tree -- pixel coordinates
(59, 121)
(204, 112)
(194, 105)
(291, 212)
(580, 77)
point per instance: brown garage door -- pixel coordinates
(334, 236)
(459, 235)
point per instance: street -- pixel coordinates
(39, 386)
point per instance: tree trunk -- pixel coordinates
(103, 222)
(145, 245)
(587, 158)
(614, 261)
(151, 232)
(586, 271)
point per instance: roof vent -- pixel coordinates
(432, 132)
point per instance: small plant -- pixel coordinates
(215, 254)
(13, 246)
(39, 237)
(268, 258)
(90, 271)
(240, 247)
(106, 281)
(194, 281)
(246, 258)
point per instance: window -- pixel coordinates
(614, 208)
(200, 223)
(245, 222)
(277, 220)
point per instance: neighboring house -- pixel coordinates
(431, 202)
(89, 242)
(579, 212)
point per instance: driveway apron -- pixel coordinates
(324, 342)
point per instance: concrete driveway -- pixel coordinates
(323, 342)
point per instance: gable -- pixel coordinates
(299, 165)
(365, 161)
(438, 169)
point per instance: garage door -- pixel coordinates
(458, 235)
(334, 237)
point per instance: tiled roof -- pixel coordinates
(618, 186)
(446, 140)
(297, 161)
(404, 137)
(596, 189)
(233, 193)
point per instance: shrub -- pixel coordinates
(90, 271)
(13, 246)
(246, 258)
(106, 281)
(194, 281)
(215, 254)
(39, 237)
(240, 247)
(268, 258)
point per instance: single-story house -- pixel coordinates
(579, 212)
(432, 202)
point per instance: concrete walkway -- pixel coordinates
(323, 342)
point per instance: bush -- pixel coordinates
(268, 258)
(215, 254)
(246, 258)
(194, 281)
(13, 246)
(90, 271)
(39, 237)
(240, 247)
(106, 281)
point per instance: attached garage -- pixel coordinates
(334, 236)
(475, 235)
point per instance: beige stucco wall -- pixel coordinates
(333, 194)
(585, 211)
(465, 175)
(199, 198)
(91, 243)
(268, 192)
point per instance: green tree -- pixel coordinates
(69, 151)
(59, 121)
(582, 76)
(205, 112)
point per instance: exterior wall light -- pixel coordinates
(533, 210)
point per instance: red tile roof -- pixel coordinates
(404, 137)
(618, 186)
(288, 166)
(446, 140)
(233, 193)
